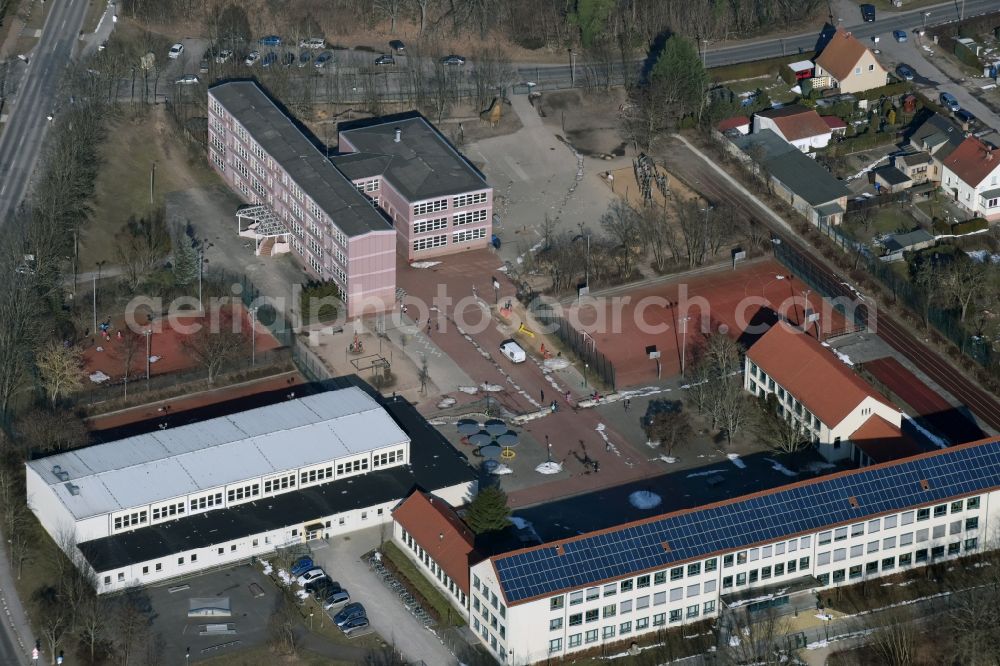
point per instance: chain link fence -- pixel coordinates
(579, 342)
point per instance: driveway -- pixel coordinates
(929, 77)
(342, 558)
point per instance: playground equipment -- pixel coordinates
(527, 331)
(545, 352)
(356, 347)
(493, 114)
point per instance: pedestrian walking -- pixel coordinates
(542, 398)
(607, 446)
(628, 403)
(568, 396)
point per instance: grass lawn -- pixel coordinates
(93, 16)
(891, 219)
(262, 656)
(134, 144)
(408, 570)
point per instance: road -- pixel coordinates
(709, 179)
(22, 137)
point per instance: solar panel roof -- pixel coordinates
(739, 523)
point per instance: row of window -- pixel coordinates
(352, 466)
(444, 578)
(624, 628)
(906, 559)
(429, 207)
(274, 485)
(637, 583)
(130, 519)
(387, 458)
(428, 243)
(468, 235)
(243, 492)
(176, 509)
(433, 224)
(469, 217)
(314, 475)
(764, 573)
(368, 185)
(468, 200)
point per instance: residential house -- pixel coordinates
(836, 124)
(919, 167)
(890, 179)
(971, 175)
(815, 390)
(896, 244)
(938, 137)
(848, 65)
(799, 126)
(805, 185)
(740, 124)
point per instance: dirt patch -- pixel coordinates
(588, 122)
(135, 146)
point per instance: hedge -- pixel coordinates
(970, 226)
(888, 90)
(753, 69)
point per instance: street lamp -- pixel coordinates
(572, 67)
(924, 28)
(548, 447)
(587, 266)
(253, 337)
(148, 333)
(96, 277)
(704, 52)
(585, 366)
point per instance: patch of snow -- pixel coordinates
(843, 357)
(818, 645)
(824, 616)
(445, 403)
(471, 390)
(670, 460)
(501, 470)
(424, 264)
(302, 594)
(708, 472)
(549, 468)
(557, 363)
(490, 388)
(735, 459)
(520, 523)
(817, 466)
(285, 577)
(778, 467)
(644, 499)
(931, 437)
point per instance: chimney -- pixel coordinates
(399, 134)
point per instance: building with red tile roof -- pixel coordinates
(799, 126)
(814, 388)
(433, 535)
(739, 123)
(971, 175)
(878, 441)
(836, 125)
(849, 65)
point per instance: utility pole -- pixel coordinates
(684, 337)
(148, 332)
(572, 67)
(152, 177)
(253, 337)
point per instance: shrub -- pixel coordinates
(970, 226)
(940, 227)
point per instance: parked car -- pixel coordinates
(312, 43)
(899, 36)
(349, 612)
(336, 598)
(269, 59)
(513, 351)
(311, 575)
(187, 80)
(301, 565)
(965, 117)
(289, 59)
(321, 588)
(868, 13)
(322, 59)
(453, 60)
(270, 40)
(252, 58)
(385, 59)
(397, 46)
(355, 626)
(949, 102)
(175, 51)
(203, 66)
(905, 72)
(103, 45)
(223, 56)
(305, 58)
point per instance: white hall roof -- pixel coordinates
(165, 464)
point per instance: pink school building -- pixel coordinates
(423, 198)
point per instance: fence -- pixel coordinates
(581, 343)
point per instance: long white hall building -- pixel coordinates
(171, 502)
(615, 585)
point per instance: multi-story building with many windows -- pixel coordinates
(172, 502)
(820, 394)
(614, 585)
(298, 199)
(438, 201)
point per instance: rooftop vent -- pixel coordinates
(853, 501)
(60, 473)
(666, 547)
(73, 489)
(560, 550)
(925, 484)
(398, 134)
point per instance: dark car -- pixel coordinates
(905, 72)
(453, 60)
(868, 13)
(322, 59)
(301, 565)
(349, 612)
(385, 59)
(269, 59)
(397, 46)
(355, 626)
(305, 58)
(322, 588)
(965, 117)
(289, 59)
(270, 40)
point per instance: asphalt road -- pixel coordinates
(22, 137)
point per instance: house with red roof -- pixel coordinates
(818, 392)
(739, 124)
(435, 537)
(796, 124)
(971, 175)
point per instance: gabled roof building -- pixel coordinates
(849, 65)
(971, 176)
(799, 126)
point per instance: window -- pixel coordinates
(854, 572)
(838, 576)
(608, 632)
(121, 577)
(940, 510)
(953, 548)
(555, 645)
(906, 518)
(145, 570)
(611, 589)
(923, 514)
(423, 226)
(741, 579)
(970, 544)
(905, 559)
(871, 568)
(937, 551)
(625, 607)
(574, 640)
(659, 578)
(858, 529)
(803, 563)
(709, 607)
(694, 569)
(555, 623)
(642, 581)
(727, 561)
(592, 636)
(840, 534)
(593, 593)
(430, 207)
(468, 200)
(874, 526)
(937, 531)
(659, 619)
(692, 611)
(873, 546)
(972, 523)
(610, 610)
(575, 619)
(659, 598)
(741, 557)
(824, 579)
(625, 627)
(825, 538)
(857, 550)
(905, 539)
(753, 576)
(972, 503)
(754, 554)
(823, 558)
(888, 563)
(922, 535)
(675, 615)
(694, 590)
(576, 598)
(890, 522)
(727, 582)
(677, 573)
(429, 243)
(592, 615)
(792, 568)
(642, 602)
(920, 555)
(627, 585)
(888, 542)
(180, 560)
(839, 554)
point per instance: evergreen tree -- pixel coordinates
(488, 512)
(185, 259)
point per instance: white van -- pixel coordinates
(513, 351)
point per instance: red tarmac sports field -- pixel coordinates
(680, 314)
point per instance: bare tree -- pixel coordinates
(51, 617)
(214, 348)
(895, 637)
(129, 626)
(281, 626)
(718, 373)
(45, 430)
(622, 224)
(493, 73)
(754, 637)
(391, 9)
(60, 367)
(964, 279)
(776, 430)
(656, 229)
(18, 521)
(670, 427)
(141, 244)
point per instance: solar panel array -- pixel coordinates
(755, 519)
